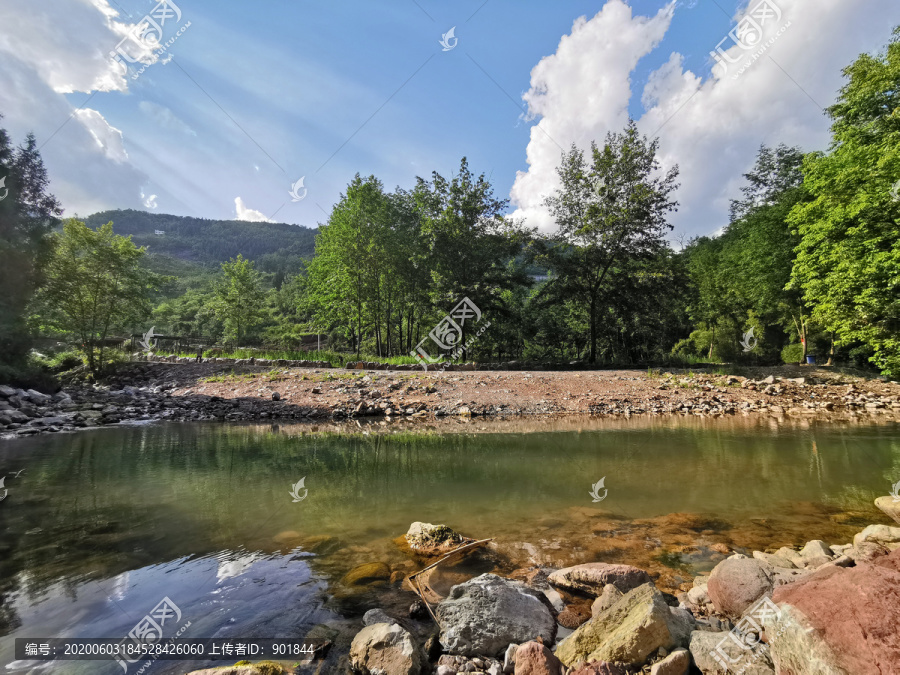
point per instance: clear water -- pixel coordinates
(103, 525)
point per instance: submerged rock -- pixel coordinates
(386, 649)
(635, 627)
(484, 615)
(367, 574)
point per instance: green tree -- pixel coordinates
(95, 285)
(610, 214)
(239, 298)
(27, 214)
(468, 243)
(848, 258)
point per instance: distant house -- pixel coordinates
(159, 233)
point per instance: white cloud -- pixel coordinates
(711, 129)
(149, 202)
(107, 136)
(250, 215)
(57, 47)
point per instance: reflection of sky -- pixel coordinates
(231, 594)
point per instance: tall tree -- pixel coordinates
(848, 259)
(95, 285)
(27, 214)
(239, 298)
(609, 213)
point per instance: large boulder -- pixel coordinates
(736, 583)
(839, 620)
(386, 649)
(636, 626)
(890, 506)
(533, 658)
(484, 615)
(591, 578)
(713, 652)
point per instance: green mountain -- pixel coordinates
(192, 248)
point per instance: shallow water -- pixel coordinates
(103, 525)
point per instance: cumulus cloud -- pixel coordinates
(149, 201)
(58, 47)
(710, 127)
(248, 214)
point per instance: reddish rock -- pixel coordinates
(853, 613)
(533, 658)
(598, 668)
(573, 616)
(736, 583)
(590, 578)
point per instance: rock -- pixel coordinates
(485, 614)
(6, 391)
(879, 534)
(736, 583)
(630, 631)
(418, 611)
(37, 397)
(386, 649)
(681, 625)
(366, 574)
(698, 596)
(374, 616)
(598, 668)
(573, 616)
(676, 663)
(261, 668)
(606, 599)
(816, 553)
(431, 539)
(509, 659)
(839, 620)
(533, 658)
(867, 551)
(773, 559)
(591, 578)
(276, 396)
(706, 647)
(890, 506)
(445, 670)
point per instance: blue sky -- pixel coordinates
(260, 94)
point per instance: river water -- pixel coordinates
(101, 526)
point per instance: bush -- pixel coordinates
(792, 353)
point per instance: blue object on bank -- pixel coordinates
(811, 360)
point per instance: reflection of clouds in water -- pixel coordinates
(686, 4)
(229, 569)
(120, 586)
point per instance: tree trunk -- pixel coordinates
(593, 357)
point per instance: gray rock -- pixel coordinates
(386, 649)
(718, 654)
(374, 616)
(509, 659)
(6, 391)
(37, 397)
(484, 615)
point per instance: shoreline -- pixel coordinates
(154, 391)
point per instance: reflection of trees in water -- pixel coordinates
(114, 500)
